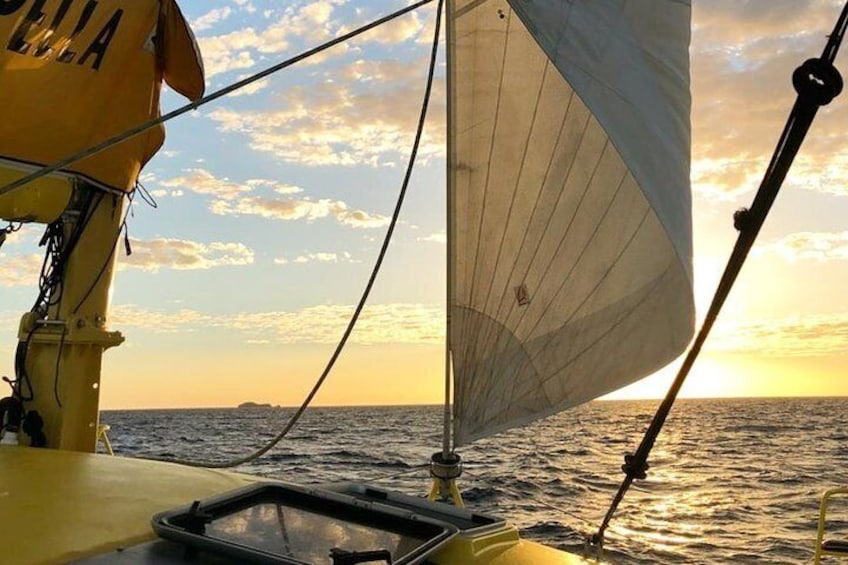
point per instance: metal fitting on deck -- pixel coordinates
(445, 468)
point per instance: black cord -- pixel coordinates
(21, 375)
(58, 365)
(145, 195)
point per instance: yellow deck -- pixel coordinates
(57, 506)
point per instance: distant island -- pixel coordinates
(254, 405)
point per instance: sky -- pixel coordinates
(272, 204)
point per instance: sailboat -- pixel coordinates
(569, 271)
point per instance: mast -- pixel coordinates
(449, 274)
(62, 340)
(445, 465)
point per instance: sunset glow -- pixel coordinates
(273, 203)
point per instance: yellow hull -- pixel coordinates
(60, 506)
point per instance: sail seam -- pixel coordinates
(614, 325)
(570, 221)
(562, 194)
(469, 437)
(579, 256)
(486, 335)
(585, 248)
(539, 194)
(470, 328)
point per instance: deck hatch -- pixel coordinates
(286, 524)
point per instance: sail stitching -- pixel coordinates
(482, 343)
(570, 221)
(539, 194)
(654, 287)
(577, 260)
(472, 327)
(473, 112)
(492, 329)
(589, 243)
(577, 208)
(609, 270)
(532, 212)
(582, 138)
(518, 176)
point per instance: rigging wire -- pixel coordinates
(364, 298)
(817, 82)
(141, 128)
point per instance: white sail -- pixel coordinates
(570, 237)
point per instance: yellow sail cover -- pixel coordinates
(76, 72)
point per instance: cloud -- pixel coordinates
(382, 323)
(9, 319)
(343, 121)
(320, 257)
(234, 198)
(161, 193)
(203, 182)
(183, 320)
(406, 28)
(438, 237)
(251, 88)
(278, 187)
(387, 323)
(20, 270)
(236, 50)
(291, 209)
(809, 245)
(155, 254)
(148, 255)
(360, 218)
(807, 336)
(742, 63)
(211, 18)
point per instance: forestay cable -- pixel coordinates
(383, 249)
(141, 128)
(817, 82)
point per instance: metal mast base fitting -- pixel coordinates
(445, 470)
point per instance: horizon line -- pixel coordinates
(430, 404)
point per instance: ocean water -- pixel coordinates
(731, 481)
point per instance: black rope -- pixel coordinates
(359, 307)
(145, 195)
(817, 82)
(11, 227)
(141, 128)
(57, 369)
